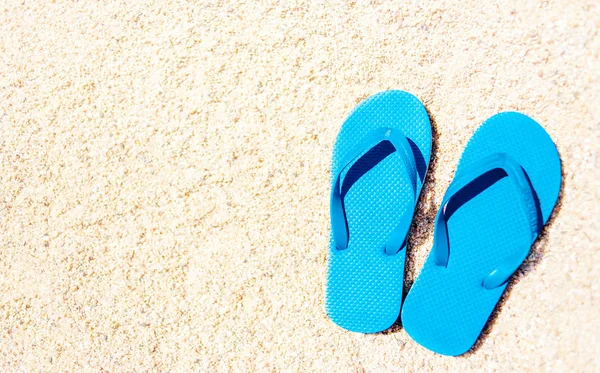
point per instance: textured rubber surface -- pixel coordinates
(447, 307)
(364, 285)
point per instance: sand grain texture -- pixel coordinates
(164, 173)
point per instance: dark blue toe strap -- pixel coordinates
(455, 197)
(339, 222)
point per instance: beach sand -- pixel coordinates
(164, 177)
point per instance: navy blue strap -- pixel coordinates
(339, 222)
(516, 174)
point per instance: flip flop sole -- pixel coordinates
(447, 307)
(364, 284)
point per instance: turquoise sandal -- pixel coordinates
(504, 189)
(380, 159)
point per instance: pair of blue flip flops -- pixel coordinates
(503, 192)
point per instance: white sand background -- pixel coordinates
(164, 175)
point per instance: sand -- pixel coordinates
(164, 174)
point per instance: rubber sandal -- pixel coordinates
(380, 160)
(504, 189)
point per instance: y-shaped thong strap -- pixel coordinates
(397, 240)
(459, 186)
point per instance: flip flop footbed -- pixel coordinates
(447, 307)
(364, 284)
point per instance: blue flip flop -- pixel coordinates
(380, 159)
(504, 189)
